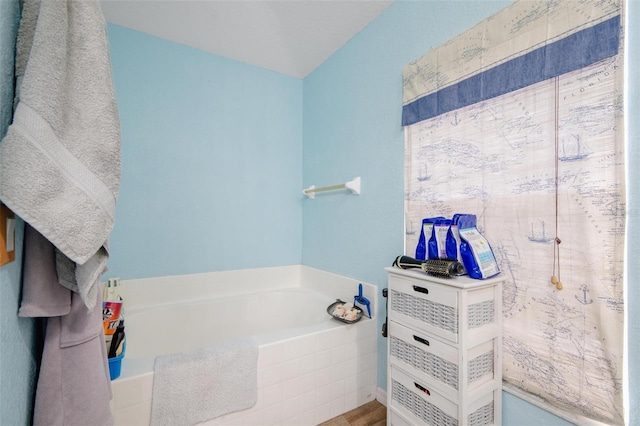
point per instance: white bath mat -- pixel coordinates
(199, 386)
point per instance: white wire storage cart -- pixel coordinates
(444, 350)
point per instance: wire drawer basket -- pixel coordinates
(439, 368)
(438, 315)
(432, 414)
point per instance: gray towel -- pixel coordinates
(196, 387)
(73, 381)
(42, 296)
(60, 159)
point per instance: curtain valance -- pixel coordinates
(523, 44)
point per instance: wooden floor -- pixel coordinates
(370, 414)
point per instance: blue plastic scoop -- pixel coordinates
(361, 300)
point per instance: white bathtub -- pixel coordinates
(310, 367)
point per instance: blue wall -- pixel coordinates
(211, 161)
(17, 335)
(633, 208)
(352, 110)
(352, 126)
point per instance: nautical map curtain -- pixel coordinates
(520, 121)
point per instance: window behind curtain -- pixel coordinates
(536, 163)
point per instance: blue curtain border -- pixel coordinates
(573, 52)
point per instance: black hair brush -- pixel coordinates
(443, 268)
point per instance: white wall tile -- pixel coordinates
(271, 395)
(291, 407)
(132, 391)
(328, 340)
(337, 389)
(339, 354)
(338, 372)
(351, 385)
(350, 367)
(323, 413)
(307, 345)
(307, 364)
(290, 369)
(293, 421)
(350, 401)
(270, 354)
(291, 388)
(323, 377)
(323, 395)
(307, 401)
(134, 415)
(323, 360)
(291, 349)
(269, 376)
(337, 407)
(272, 414)
(308, 382)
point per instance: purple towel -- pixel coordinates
(73, 386)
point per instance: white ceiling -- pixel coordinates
(291, 37)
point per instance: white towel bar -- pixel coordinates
(352, 185)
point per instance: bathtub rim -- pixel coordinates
(150, 293)
(134, 368)
(157, 291)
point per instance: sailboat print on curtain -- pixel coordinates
(422, 172)
(539, 235)
(574, 149)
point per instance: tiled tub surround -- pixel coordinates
(309, 370)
